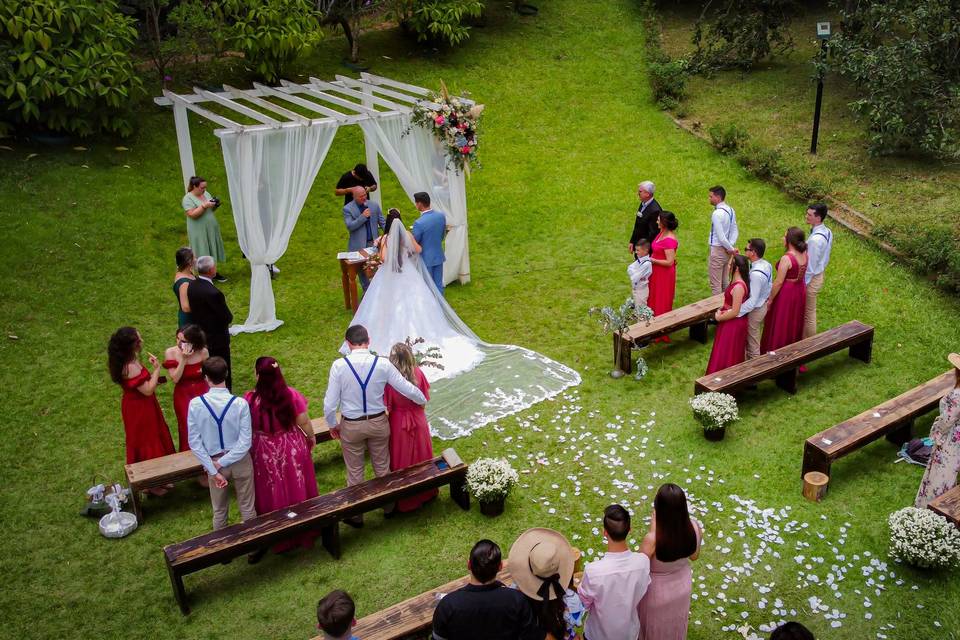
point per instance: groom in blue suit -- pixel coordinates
(428, 231)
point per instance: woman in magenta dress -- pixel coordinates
(788, 297)
(283, 437)
(730, 341)
(409, 432)
(672, 542)
(147, 434)
(183, 363)
(663, 255)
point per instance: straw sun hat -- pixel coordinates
(954, 359)
(541, 563)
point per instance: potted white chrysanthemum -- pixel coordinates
(924, 539)
(490, 480)
(714, 411)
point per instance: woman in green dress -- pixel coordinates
(203, 230)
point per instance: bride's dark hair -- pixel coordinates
(392, 214)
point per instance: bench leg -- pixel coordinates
(179, 593)
(901, 434)
(814, 460)
(862, 351)
(330, 536)
(622, 358)
(788, 380)
(698, 332)
(458, 492)
(137, 509)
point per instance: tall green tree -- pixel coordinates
(741, 33)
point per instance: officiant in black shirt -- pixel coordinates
(359, 176)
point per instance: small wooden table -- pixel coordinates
(349, 270)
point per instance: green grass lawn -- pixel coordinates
(568, 132)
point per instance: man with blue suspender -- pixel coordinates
(761, 283)
(356, 386)
(819, 244)
(218, 429)
(723, 240)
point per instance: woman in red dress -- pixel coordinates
(788, 298)
(183, 363)
(283, 438)
(730, 341)
(147, 434)
(663, 255)
(409, 432)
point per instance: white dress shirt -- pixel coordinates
(344, 391)
(640, 270)
(761, 283)
(231, 438)
(723, 227)
(818, 251)
(610, 590)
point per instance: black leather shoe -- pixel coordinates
(256, 556)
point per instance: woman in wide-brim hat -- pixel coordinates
(944, 465)
(541, 564)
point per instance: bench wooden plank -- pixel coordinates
(322, 512)
(892, 418)
(183, 465)
(783, 364)
(695, 316)
(948, 505)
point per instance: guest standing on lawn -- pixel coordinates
(203, 230)
(723, 239)
(819, 245)
(147, 434)
(645, 224)
(672, 542)
(761, 283)
(409, 431)
(944, 465)
(730, 340)
(282, 441)
(663, 280)
(186, 262)
(184, 363)
(784, 322)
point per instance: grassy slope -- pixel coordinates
(568, 133)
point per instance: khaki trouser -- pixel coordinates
(754, 321)
(358, 435)
(641, 293)
(240, 475)
(810, 312)
(717, 268)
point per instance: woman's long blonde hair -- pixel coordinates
(401, 355)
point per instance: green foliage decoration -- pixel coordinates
(65, 66)
(740, 33)
(438, 20)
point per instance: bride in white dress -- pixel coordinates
(479, 382)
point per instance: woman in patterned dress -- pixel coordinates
(944, 465)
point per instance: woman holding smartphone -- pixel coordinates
(183, 363)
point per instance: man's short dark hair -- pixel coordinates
(791, 631)
(357, 335)
(819, 209)
(719, 191)
(616, 522)
(643, 243)
(335, 613)
(485, 560)
(422, 197)
(360, 169)
(215, 369)
(758, 245)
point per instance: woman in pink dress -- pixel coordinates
(283, 437)
(788, 297)
(183, 363)
(663, 255)
(730, 341)
(409, 432)
(147, 434)
(672, 542)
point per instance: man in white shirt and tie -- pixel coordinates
(819, 244)
(723, 239)
(356, 386)
(761, 283)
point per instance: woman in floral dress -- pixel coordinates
(944, 465)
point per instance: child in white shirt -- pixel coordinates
(639, 272)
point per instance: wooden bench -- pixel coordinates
(695, 316)
(783, 364)
(948, 505)
(175, 467)
(894, 418)
(322, 513)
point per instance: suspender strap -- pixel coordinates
(363, 383)
(219, 419)
(761, 271)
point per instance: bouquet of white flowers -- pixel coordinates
(924, 539)
(714, 410)
(490, 479)
(642, 369)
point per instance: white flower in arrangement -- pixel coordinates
(491, 479)
(922, 538)
(641, 368)
(714, 410)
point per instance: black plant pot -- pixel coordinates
(714, 435)
(492, 509)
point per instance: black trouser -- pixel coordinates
(218, 344)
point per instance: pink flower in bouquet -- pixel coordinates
(465, 150)
(439, 120)
(462, 126)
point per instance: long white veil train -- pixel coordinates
(480, 382)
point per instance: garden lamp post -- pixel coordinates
(823, 34)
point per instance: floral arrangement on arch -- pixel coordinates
(924, 539)
(714, 410)
(453, 122)
(491, 479)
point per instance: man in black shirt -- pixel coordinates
(360, 176)
(485, 609)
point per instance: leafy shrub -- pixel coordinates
(438, 20)
(740, 33)
(728, 138)
(761, 161)
(668, 80)
(65, 66)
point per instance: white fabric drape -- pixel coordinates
(419, 163)
(270, 173)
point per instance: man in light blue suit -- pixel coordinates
(364, 219)
(428, 231)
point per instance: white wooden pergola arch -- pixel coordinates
(380, 106)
